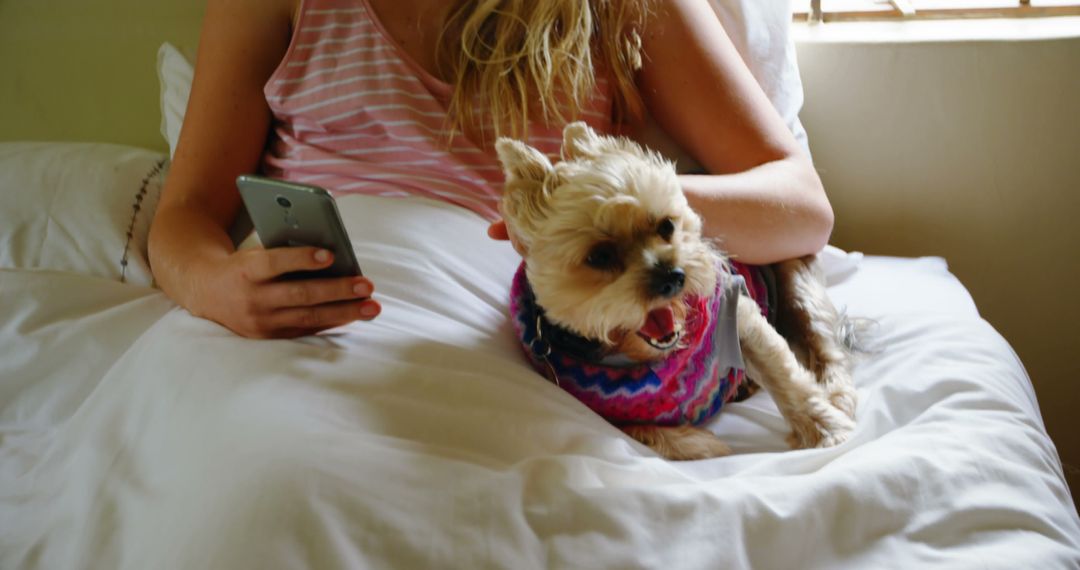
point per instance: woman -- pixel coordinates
(452, 75)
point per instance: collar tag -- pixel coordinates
(541, 349)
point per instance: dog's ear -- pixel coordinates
(522, 162)
(580, 141)
(526, 192)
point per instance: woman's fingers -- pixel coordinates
(321, 317)
(497, 230)
(275, 308)
(266, 264)
(308, 292)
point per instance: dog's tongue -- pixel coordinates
(659, 324)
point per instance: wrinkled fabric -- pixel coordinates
(133, 435)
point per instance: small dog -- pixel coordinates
(623, 303)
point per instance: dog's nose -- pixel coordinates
(666, 282)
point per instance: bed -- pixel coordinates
(133, 435)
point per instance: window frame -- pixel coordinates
(903, 10)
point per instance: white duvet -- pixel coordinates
(133, 435)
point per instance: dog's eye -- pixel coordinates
(666, 228)
(603, 256)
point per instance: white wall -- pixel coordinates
(969, 150)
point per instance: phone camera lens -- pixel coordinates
(284, 202)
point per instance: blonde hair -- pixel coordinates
(525, 60)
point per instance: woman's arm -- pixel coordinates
(224, 134)
(763, 197)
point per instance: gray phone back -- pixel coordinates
(288, 214)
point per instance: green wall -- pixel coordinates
(85, 70)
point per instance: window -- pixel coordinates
(841, 10)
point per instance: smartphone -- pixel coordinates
(289, 214)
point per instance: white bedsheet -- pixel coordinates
(133, 435)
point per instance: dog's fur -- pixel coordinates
(594, 231)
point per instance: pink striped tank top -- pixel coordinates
(354, 113)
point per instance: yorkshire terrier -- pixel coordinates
(621, 302)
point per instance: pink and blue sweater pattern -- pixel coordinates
(688, 387)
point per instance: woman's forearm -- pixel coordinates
(765, 203)
(769, 213)
(181, 241)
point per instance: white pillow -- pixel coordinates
(174, 76)
(759, 29)
(78, 207)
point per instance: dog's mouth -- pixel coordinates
(661, 331)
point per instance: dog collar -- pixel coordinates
(548, 337)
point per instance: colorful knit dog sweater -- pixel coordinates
(688, 387)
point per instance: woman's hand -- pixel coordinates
(225, 132)
(500, 231)
(243, 292)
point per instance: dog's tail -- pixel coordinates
(856, 334)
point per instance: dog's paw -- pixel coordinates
(841, 391)
(835, 437)
(826, 427)
(681, 443)
(845, 401)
